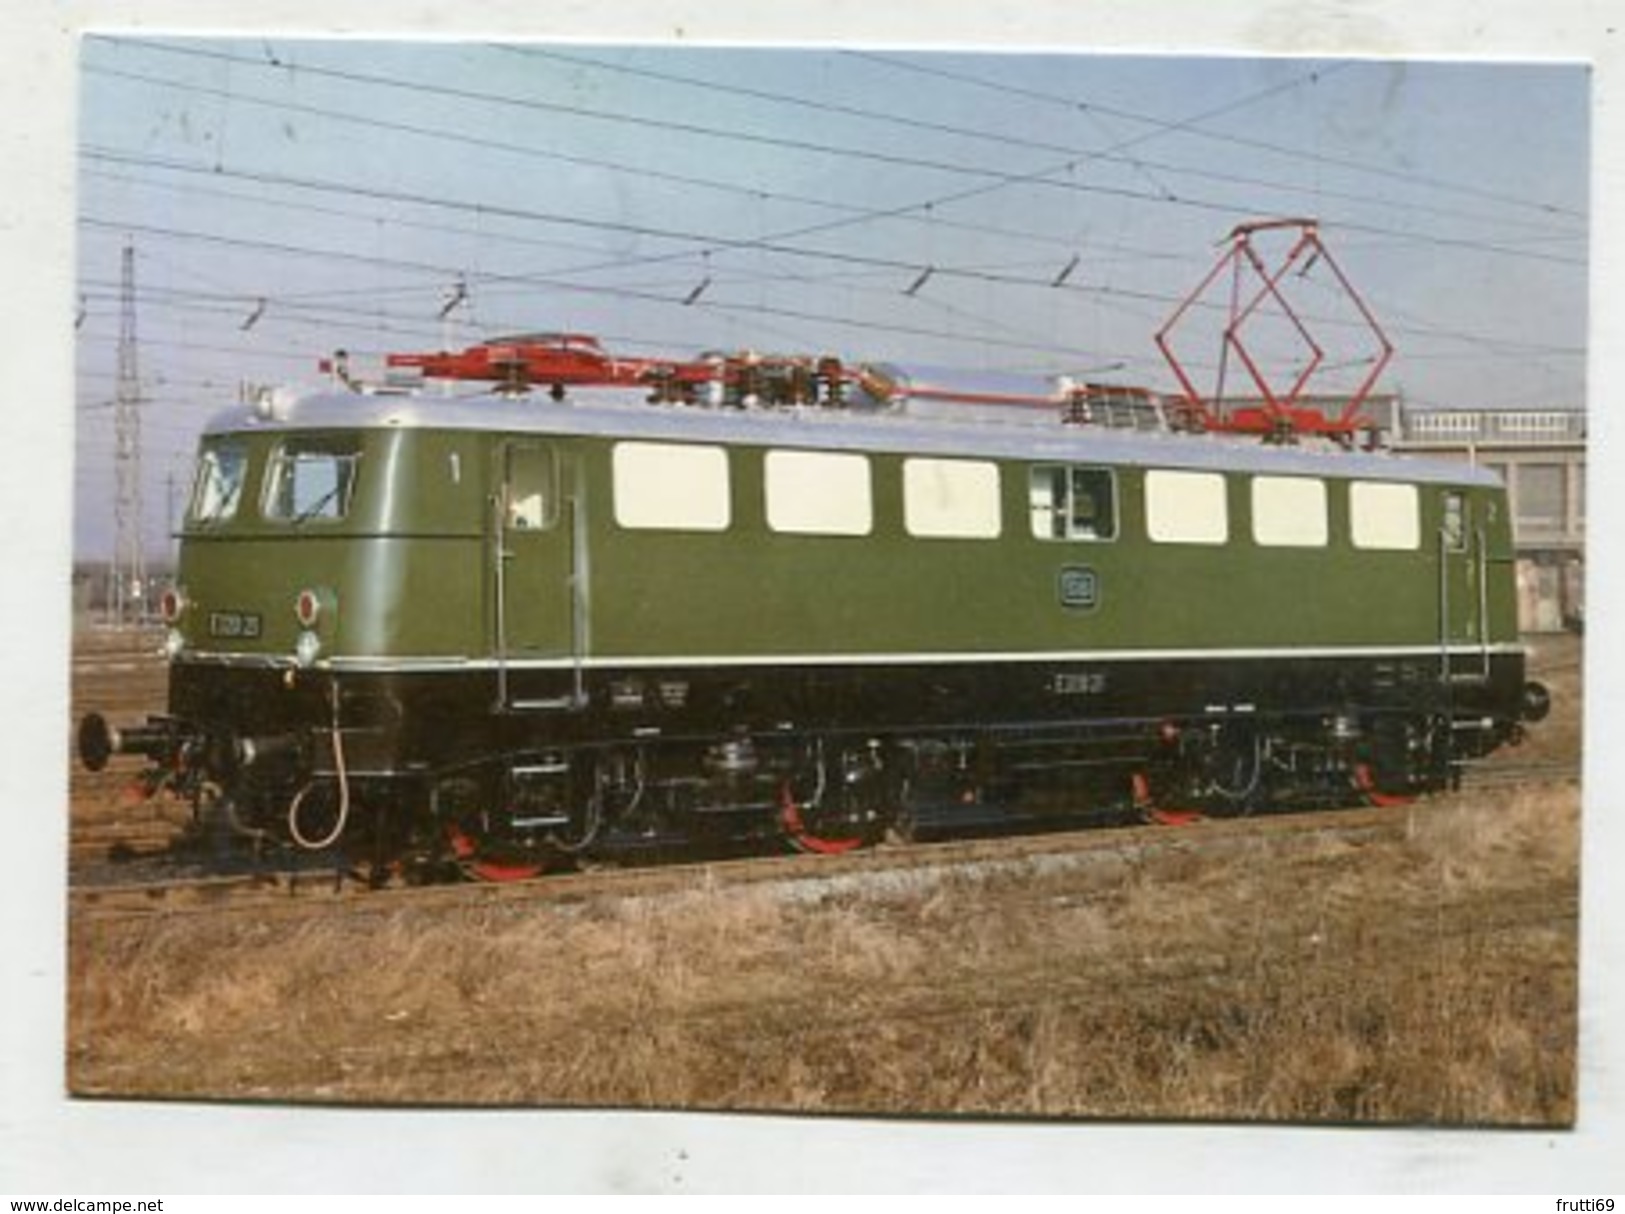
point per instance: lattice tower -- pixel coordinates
(129, 575)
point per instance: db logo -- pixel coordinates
(1078, 587)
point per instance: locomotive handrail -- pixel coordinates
(1444, 607)
(1482, 558)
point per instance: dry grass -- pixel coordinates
(1426, 976)
(1422, 979)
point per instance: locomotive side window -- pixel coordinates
(219, 486)
(818, 493)
(1289, 512)
(1186, 507)
(532, 495)
(671, 487)
(310, 479)
(1453, 521)
(951, 499)
(1072, 503)
(1384, 516)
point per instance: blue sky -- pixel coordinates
(289, 197)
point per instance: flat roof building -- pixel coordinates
(1540, 454)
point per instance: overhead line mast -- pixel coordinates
(128, 576)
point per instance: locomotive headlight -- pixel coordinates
(174, 642)
(312, 606)
(172, 605)
(307, 648)
(308, 608)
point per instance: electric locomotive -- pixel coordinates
(787, 600)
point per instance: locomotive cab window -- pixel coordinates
(311, 479)
(219, 486)
(531, 488)
(1071, 503)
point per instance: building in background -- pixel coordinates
(1540, 453)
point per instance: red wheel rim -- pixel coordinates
(494, 871)
(1367, 784)
(796, 829)
(1174, 817)
(1155, 814)
(485, 868)
(1142, 790)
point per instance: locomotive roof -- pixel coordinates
(827, 429)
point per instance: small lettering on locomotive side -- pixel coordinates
(1078, 682)
(626, 694)
(234, 625)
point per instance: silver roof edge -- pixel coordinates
(828, 429)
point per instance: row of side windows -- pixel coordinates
(667, 487)
(683, 487)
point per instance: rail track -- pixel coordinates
(147, 884)
(143, 833)
(1493, 774)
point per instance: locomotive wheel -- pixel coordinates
(487, 865)
(1173, 817)
(1366, 781)
(1157, 815)
(803, 839)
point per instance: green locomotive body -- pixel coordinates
(509, 629)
